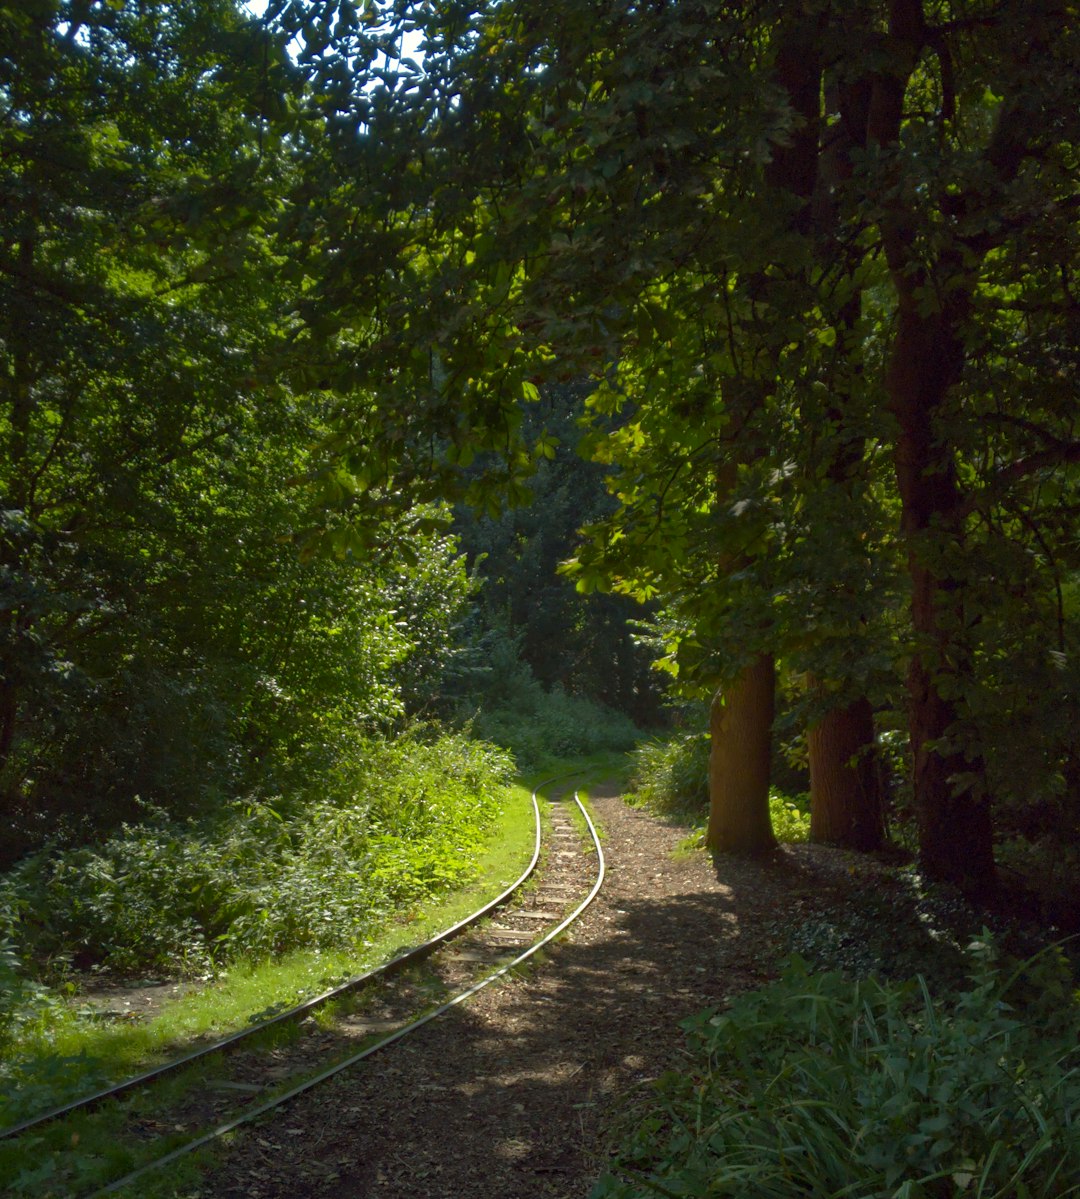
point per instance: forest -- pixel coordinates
(399, 399)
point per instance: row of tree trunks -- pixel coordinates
(846, 807)
(926, 362)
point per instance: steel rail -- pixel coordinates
(317, 1079)
(294, 1013)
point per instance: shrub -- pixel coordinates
(671, 777)
(400, 821)
(827, 1087)
(553, 724)
(790, 816)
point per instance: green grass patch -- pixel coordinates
(80, 1055)
(52, 1052)
(603, 768)
(252, 991)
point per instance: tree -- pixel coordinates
(161, 638)
(649, 192)
(584, 644)
(134, 188)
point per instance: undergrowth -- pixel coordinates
(671, 778)
(257, 880)
(829, 1087)
(511, 708)
(65, 1052)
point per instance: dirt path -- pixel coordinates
(505, 1097)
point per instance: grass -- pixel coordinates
(92, 1053)
(829, 1087)
(581, 773)
(87, 1144)
(81, 1152)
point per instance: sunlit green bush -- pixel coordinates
(790, 816)
(672, 775)
(402, 821)
(513, 710)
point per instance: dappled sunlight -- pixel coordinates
(514, 1080)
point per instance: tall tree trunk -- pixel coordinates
(926, 361)
(740, 723)
(951, 804)
(845, 784)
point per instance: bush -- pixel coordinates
(822, 1086)
(401, 821)
(790, 816)
(671, 777)
(510, 708)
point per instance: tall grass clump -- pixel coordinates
(827, 1087)
(398, 822)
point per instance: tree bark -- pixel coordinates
(951, 804)
(845, 785)
(740, 723)
(925, 362)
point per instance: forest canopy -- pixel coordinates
(276, 289)
(818, 263)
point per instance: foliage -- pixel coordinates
(582, 643)
(821, 1085)
(399, 822)
(789, 816)
(24, 1004)
(671, 777)
(128, 411)
(507, 705)
(162, 641)
(61, 1051)
(818, 263)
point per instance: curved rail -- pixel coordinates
(317, 1079)
(294, 1013)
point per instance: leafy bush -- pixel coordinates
(671, 776)
(790, 816)
(402, 820)
(824, 1086)
(510, 708)
(24, 1004)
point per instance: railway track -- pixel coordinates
(248, 1075)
